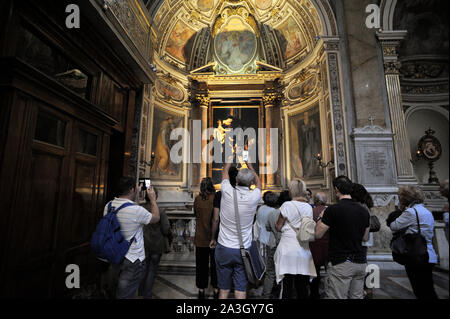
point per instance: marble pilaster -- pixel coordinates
(390, 41)
(331, 46)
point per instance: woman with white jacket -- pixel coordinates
(293, 262)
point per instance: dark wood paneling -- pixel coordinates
(51, 197)
(46, 171)
(84, 202)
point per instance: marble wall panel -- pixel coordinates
(367, 76)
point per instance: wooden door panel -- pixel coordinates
(84, 202)
(42, 213)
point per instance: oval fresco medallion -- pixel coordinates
(169, 91)
(235, 44)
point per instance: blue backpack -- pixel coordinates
(107, 242)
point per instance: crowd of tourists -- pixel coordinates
(333, 265)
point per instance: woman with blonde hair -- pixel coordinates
(414, 215)
(293, 261)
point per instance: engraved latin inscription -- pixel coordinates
(375, 163)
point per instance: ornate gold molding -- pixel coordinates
(235, 11)
(260, 77)
(203, 99)
(269, 99)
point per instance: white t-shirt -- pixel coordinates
(131, 220)
(247, 203)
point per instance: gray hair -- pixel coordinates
(320, 198)
(408, 195)
(245, 177)
(297, 188)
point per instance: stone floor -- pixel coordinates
(178, 282)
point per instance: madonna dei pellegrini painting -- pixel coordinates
(161, 90)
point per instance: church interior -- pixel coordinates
(346, 93)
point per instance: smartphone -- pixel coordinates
(245, 156)
(148, 183)
(142, 184)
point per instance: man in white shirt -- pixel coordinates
(131, 220)
(229, 264)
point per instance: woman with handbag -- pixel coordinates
(293, 262)
(416, 221)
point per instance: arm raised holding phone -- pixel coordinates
(257, 180)
(154, 207)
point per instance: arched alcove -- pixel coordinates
(418, 120)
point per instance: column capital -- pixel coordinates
(202, 99)
(392, 67)
(269, 99)
(390, 42)
(330, 43)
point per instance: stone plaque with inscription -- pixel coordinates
(375, 158)
(375, 162)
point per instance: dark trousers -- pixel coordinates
(295, 286)
(314, 285)
(269, 278)
(152, 268)
(205, 266)
(130, 278)
(421, 279)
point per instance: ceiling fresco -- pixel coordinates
(288, 32)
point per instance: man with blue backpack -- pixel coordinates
(118, 238)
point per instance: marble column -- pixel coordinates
(269, 100)
(204, 102)
(390, 41)
(331, 46)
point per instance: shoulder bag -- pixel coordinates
(254, 264)
(306, 232)
(375, 224)
(410, 249)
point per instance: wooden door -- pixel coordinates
(57, 193)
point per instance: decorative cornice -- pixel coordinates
(371, 131)
(397, 35)
(261, 77)
(330, 44)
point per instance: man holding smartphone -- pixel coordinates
(132, 219)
